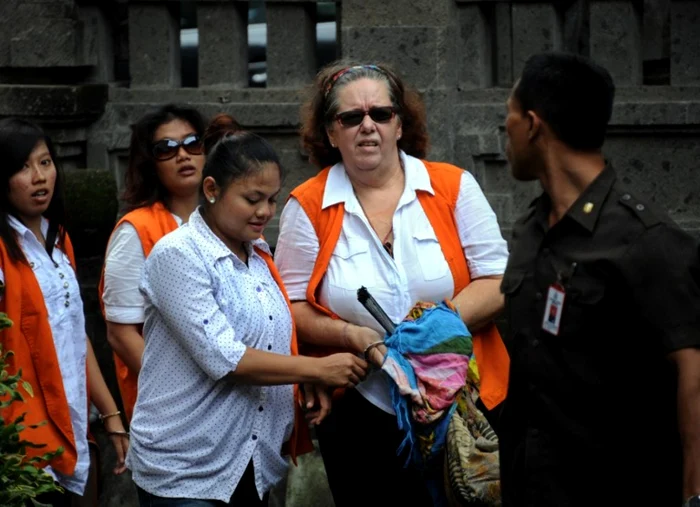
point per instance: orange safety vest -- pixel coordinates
(151, 223)
(34, 353)
(490, 352)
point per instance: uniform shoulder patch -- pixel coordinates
(641, 210)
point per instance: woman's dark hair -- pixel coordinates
(18, 138)
(319, 111)
(573, 94)
(232, 153)
(143, 187)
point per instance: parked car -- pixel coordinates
(326, 44)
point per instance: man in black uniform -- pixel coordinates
(603, 305)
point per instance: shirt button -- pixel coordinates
(259, 289)
(65, 285)
(535, 342)
(269, 347)
(206, 321)
(61, 275)
(538, 295)
(255, 437)
(260, 409)
(534, 432)
(640, 207)
(66, 304)
(626, 197)
(270, 317)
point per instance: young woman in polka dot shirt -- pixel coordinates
(215, 398)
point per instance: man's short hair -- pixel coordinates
(572, 94)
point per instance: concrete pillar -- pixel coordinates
(685, 43)
(616, 41)
(154, 44)
(291, 43)
(223, 43)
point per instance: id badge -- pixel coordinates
(553, 309)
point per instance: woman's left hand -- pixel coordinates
(316, 403)
(120, 441)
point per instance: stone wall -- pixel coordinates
(87, 69)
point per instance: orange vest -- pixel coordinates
(489, 350)
(31, 341)
(151, 223)
(300, 441)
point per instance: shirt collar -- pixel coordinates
(218, 249)
(586, 209)
(23, 231)
(339, 188)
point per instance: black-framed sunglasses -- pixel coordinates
(165, 149)
(354, 117)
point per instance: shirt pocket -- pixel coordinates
(46, 278)
(518, 305)
(429, 254)
(351, 265)
(582, 304)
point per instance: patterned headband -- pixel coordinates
(331, 82)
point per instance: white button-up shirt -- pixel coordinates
(61, 292)
(195, 430)
(417, 272)
(123, 301)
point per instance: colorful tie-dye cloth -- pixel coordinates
(428, 360)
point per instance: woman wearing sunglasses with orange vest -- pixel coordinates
(162, 190)
(47, 338)
(378, 215)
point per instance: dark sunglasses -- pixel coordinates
(165, 149)
(354, 117)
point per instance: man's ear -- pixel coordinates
(535, 125)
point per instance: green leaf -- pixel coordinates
(28, 387)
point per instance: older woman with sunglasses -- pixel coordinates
(162, 190)
(378, 215)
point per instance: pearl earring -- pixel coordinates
(212, 200)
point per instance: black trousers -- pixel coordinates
(358, 443)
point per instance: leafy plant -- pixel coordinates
(21, 479)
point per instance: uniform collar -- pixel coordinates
(339, 188)
(586, 209)
(217, 248)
